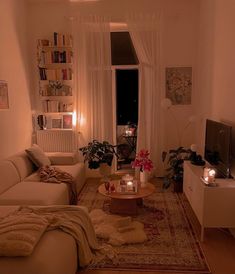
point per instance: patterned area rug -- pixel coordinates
(171, 245)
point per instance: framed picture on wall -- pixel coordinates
(4, 103)
(67, 121)
(56, 123)
(179, 85)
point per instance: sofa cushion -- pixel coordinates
(23, 164)
(19, 234)
(62, 158)
(38, 157)
(34, 177)
(55, 253)
(9, 176)
(78, 173)
(36, 193)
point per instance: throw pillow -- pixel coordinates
(20, 232)
(37, 156)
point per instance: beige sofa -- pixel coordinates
(20, 183)
(56, 252)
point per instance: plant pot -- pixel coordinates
(105, 170)
(178, 186)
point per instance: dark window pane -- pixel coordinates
(122, 49)
(127, 96)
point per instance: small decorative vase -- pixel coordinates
(143, 178)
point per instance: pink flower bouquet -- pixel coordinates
(142, 161)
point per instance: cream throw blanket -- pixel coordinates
(49, 174)
(21, 230)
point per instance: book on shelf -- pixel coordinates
(42, 74)
(56, 106)
(55, 57)
(55, 74)
(62, 39)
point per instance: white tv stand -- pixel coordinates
(213, 206)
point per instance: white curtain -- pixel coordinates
(93, 81)
(145, 31)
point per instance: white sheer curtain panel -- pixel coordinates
(145, 31)
(92, 77)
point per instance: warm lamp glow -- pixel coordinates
(81, 120)
(74, 119)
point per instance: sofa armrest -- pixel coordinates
(63, 158)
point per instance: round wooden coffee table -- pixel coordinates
(126, 204)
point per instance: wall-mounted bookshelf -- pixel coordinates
(55, 73)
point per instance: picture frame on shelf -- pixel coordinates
(67, 121)
(4, 102)
(56, 123)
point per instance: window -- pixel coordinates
(125, 68)
(127, 96)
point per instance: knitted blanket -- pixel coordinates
(49, 174)
(21, 230)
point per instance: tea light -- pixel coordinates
(209, 175)
(129, 185)
(128, 179)
(128, 132)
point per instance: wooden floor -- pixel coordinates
(218, 247)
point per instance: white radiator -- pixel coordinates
(57, 140)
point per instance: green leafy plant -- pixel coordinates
(96, 153)
(175, 169)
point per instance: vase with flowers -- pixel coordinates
(145, 165)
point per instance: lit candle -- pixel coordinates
(129, 185)
(128, 132)
(211, 176)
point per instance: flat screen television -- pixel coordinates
(218, 147)
(218, 150)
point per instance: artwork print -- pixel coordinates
(4, 103)
(56, 123)
(67, 121)
(179, 85)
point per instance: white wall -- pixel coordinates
(15, 123)
(178, 44)
(216, 65)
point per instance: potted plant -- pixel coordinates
(175, 170)
(97, 153)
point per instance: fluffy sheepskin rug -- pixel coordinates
(117, 230)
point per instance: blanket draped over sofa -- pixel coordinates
(21, 230)
(49, 174)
